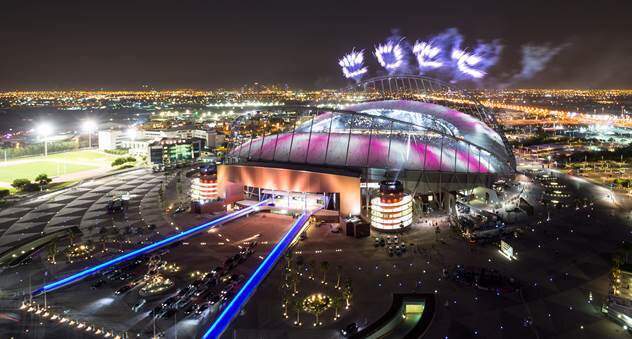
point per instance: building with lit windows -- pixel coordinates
(169, 152)
(204, 188)
(392, 210)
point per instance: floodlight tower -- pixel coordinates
(89, 126)
(44, 130)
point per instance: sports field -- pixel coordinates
(54, 165)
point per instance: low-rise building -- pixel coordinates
(111, 139)
(170, 152)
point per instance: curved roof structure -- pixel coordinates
(389, 134)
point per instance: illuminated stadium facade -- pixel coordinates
(433, 138)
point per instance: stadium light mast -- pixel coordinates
(44, 130)
(89, 126)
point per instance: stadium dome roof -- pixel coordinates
(389, 134)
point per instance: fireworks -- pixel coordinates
(389, 55)
(466, 63)
(427, 55)
(352, 65)
(445, 54)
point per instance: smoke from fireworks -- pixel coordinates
(352, 65)
(390, 55)
(535, 58)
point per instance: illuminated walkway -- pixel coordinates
(147, 249)
(241, 298)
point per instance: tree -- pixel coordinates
(122, 160)
(20, 183)
(338, 273)
(43, 180)
(336, 303)
(288, 264)
(4, 192)
(324, 266)
(31, 187)
(294, 280)
(286, 303)
(118, 161)
(52, 251)
(347, 293)
(299, 263)
(297, 305)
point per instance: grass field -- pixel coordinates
(99, 158)
(54, 165)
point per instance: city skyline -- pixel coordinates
(74, 45)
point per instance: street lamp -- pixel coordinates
(89, 126)
(45, 129)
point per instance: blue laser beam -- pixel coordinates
(133, 254)
(228, 314)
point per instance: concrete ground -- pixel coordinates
(83, 206)
(560, 263)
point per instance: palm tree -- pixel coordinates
(324, 266)
(52, 251)
(317, 313)
(286, 303)
(299, 266)
(312, 267)
(339, 273)
(297, 304)
(288, 260)
(336, 302)
(294, 279)
(347, 293)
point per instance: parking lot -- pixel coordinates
(205, 271)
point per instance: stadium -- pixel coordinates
(434, 139)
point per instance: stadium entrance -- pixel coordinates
(294, 200)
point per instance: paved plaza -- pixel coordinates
(562, 266)
(561, 263)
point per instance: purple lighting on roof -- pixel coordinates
(393, 134)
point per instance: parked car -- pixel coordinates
(167, 313)
(97, 284)
(139, 305)
(198, 309)
(349, 330)
(168, 303)
(156, 310)
(124, 289)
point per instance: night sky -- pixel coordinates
(212, 44)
